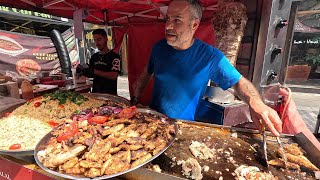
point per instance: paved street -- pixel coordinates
(123, 87)
(306, 95)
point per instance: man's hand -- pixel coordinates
(268, 116)
(260, 113)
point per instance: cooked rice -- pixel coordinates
(50, 110)
(21, 130)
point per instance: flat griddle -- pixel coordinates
(240, 141)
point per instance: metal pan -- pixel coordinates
(198, 131)
(30, 152)
(118, 99)
(27, 152)
(44, 141)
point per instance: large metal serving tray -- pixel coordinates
(110, 97)
(44, 141)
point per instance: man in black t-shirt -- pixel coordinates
(104, 65)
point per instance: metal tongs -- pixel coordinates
(265, 147)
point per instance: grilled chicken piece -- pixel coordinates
(113, 129)
(151, 129)
(141, 160)
(99, 149)
(89, 141)
(133, 126)
(119, 121)
(280, 163)
(169, 131)
(93, 129)
(154, 144)
(92, 172)
(62, 157)
(130, 147)
(57, 149)
(300, 160)
(159, 148)
(123, 131)
(75, 169)
(69, 164)
(132, 133)
(114, 150)
(150, 119)
(138, 154)
(172, 129)
(121, 162)
(150, 146)
(90, 164)
(106, 164)
(124, 156)
(81, 139)
(115, 141)
(136, 140)
(141, 128)
(293, 149)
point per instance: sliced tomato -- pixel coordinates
(61, 106)
(37, 104)
(35, 99)
(69, 132)
(15, 146)
(98, 119)
(53, 124)
(128, 112)
(7, 114)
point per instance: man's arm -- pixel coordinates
(259, 111)
(107, 75)
(142, 82)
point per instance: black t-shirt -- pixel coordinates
(109, 62)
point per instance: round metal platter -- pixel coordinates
(30, 152)
(110, 97)
(44, 141)
(17, 152)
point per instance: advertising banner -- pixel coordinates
(26, 55)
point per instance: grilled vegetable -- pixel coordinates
(98, 119)
(63, 96)
(15, 146)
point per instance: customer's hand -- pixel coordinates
(261, 113)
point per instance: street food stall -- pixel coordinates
(67, 135)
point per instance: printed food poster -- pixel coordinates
(26, 55)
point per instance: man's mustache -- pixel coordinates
(170, 32)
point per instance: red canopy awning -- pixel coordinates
(138, 18)
(113, 12)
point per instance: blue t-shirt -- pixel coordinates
(181, 76)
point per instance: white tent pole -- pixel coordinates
(51, 3)
(28, 2)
